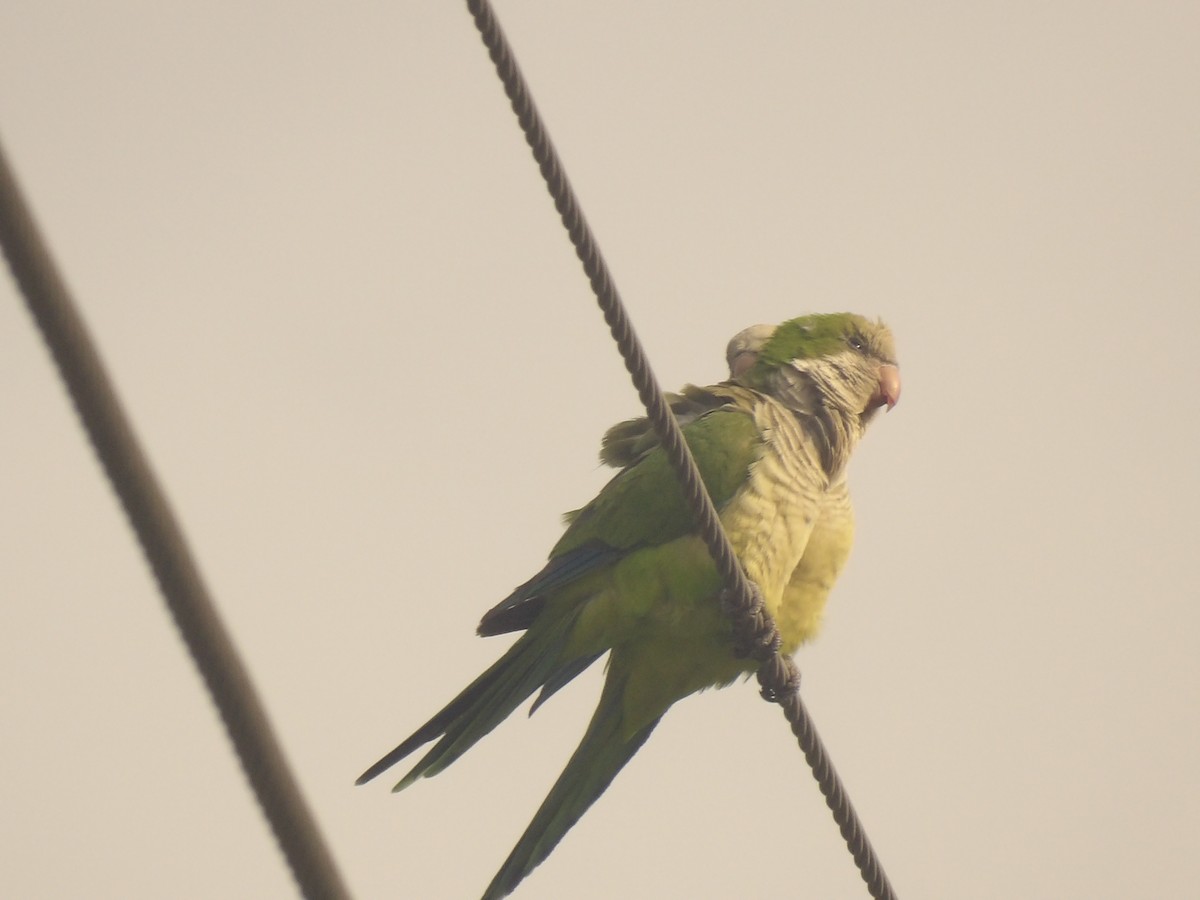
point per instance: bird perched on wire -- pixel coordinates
(631, 577)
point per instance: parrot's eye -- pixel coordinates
(856, 342)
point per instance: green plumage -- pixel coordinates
(630, 578)
(725, 443)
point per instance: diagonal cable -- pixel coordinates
(777, 675)
(163, 543)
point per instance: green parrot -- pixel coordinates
(630, 576)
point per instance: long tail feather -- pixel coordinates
(481, 706)
(601, 754)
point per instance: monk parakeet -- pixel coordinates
(631, 578)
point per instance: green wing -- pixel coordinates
(644, 504)
(627, 442)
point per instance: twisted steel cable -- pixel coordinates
(755, 631)
(163, 543)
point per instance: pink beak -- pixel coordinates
(889, 387)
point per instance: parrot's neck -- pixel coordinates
(821, 395)
(834, 436)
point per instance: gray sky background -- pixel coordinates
(339, 306)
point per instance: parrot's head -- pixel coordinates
(831, 362)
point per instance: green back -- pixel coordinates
(644, 504)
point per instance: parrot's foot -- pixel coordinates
(754, 635)
(779, 679)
